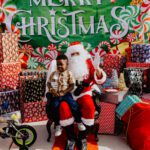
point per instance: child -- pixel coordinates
(60, 84)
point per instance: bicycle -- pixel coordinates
(22, 135)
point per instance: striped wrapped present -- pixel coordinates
(107, 118)
(126, 104)
(137, 65)
(140, 53)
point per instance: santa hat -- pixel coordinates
(75, 47)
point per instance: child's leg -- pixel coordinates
(74, 107)
(77, 114)
(58, 130)
(55, 111)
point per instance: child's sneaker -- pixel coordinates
(81, 127)
(58, 130)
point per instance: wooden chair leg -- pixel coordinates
(48, 126)
(96, 131)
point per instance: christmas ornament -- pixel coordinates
(122, 85)
(114, 79)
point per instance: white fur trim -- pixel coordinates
(102, 80)
(88, 122)
(66, 122)
(78, 47)
(96, 88)
(83, 94)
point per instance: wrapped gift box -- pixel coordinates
(107, 118)
(39, 73)
(9, 81)
(137, 65)
(138, 80)
(33, 111)
(113, 97)
(140, 53)
(9, 101)
(112, 62)
(32, 86)
(13, 68)
(146, 97)
(9, 47)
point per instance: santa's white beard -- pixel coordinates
(78, 66)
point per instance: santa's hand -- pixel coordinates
(98, 72)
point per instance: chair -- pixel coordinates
(94, 129)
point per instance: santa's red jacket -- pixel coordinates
(84, 100)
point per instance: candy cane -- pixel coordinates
(104, 43)
(62, 44)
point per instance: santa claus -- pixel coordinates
(86, 75)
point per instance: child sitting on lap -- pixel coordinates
(60, 84)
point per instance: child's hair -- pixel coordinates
(62, 56)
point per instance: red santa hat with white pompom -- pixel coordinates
(76, 47)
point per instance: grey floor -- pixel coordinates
(106, 142)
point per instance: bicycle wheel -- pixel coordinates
(29, 136)
(23, 148)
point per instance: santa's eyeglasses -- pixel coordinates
(75, 54)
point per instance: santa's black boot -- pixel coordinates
(71, 138)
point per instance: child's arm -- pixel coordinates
(50, 88)
(71, 83)
(69, 89)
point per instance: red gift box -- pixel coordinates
(146, 97)
(107, 118)
(9, 81)
(113, 97)
(33, 111)
(112, 62)
(9, 47)
(139, 65)
(13, 67)
(9, 101)
(128, 52)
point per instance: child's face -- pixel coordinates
(62, 65)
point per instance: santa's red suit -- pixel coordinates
(83, 70)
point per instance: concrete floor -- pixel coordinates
(106, 142)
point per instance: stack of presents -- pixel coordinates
(127, 75)
(9, 71)
(32, 91)
(20, 90)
